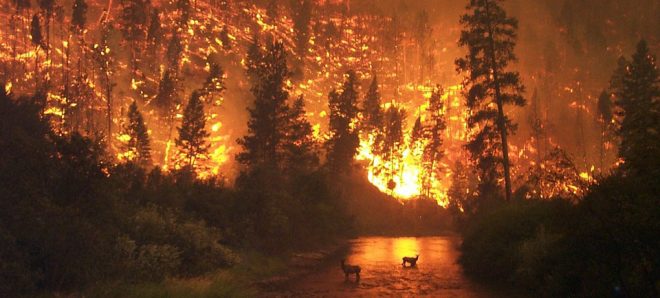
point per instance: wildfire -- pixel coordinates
(406, 175)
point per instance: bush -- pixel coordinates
(606, 243)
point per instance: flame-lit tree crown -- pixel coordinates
(490, 37)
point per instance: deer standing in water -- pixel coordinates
(410, 260)
(350, 269)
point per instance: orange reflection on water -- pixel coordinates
(384, 250)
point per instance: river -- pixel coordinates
(437, 273)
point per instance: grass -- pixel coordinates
(233, 282)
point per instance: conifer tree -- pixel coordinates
(174, 50)
(301, 147)
(344, 140)
(47, 8)
(138, 144)
(638, 103)
(78, 22)
(192, 140)
(134, 21)
(434, 132)
(154, 40)
(105, 61)
(490, 37)
(166, 98)
(37, 40)
(605, 116)
(268, 73)
(393, 141)
(302, 15)
(214, 84)
(372, 112)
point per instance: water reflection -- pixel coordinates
(437, 274)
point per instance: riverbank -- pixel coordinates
(257, 274)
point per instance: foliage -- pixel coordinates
(268, 115)
(344, 140)
(138, 145)
(68, 219)
(192, 139)
(490, 37)
(637, 92)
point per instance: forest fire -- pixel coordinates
(226, 148)
(104, 79)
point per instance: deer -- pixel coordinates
(350, 269)
(412, 261)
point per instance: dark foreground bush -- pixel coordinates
(605, 245)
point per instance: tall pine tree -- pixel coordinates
(138, 145)
(638, 103)
(372, 114)
(192, 140)
(301, 147)
(268, 73)
(433, 133)
(344, 140)
(490, 37)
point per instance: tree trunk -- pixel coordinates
(500, 112)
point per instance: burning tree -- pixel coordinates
(556, 176)
(490, 37)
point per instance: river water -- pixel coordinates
(437, 273)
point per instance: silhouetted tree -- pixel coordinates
(138, 145)
(638, 102)
(174, 50)
(393, 141)
(214, 84)
(78, 22)
(38, 42)
(344, 140)
(302, 14)
(47, 9)
(490, 36)
(372, 112)
(268, 73)
(134, 15)
(434, 134)
(300, 145)
(192, 134)
(105, 61)
(605, 117)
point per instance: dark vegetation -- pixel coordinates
(603, 244)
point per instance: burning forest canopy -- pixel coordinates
(98, 61)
